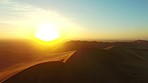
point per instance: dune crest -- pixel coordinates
(108, 48)
(12, 70)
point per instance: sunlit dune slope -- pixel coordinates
(16, 56)
(118, 62)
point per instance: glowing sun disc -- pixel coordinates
(47, 32)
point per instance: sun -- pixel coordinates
(47, 32)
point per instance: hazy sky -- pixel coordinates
(78, 19)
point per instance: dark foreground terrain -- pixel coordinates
(93, 62)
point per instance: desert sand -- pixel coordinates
(92, 62)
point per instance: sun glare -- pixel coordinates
(47, 32)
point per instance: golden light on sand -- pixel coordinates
(47, 32)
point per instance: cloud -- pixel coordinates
(12, 11)
(26, 17)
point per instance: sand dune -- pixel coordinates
(119, 62)
(17, 62)
(12, 70)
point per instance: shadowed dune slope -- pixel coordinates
(120, 63)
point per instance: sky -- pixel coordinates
(76, 19)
